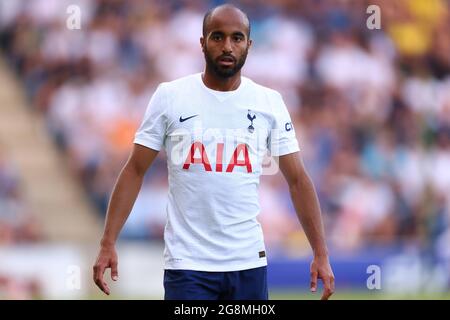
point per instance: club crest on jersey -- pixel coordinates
(250, 117)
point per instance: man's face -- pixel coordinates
(226, 43)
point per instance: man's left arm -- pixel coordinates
(306, 204)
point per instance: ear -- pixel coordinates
(202, 43)
(250, 42)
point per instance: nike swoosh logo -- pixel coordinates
(182, 120)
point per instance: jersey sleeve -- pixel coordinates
(282, 139)
(152, 131)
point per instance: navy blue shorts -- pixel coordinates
(248, 284)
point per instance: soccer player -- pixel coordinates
(216, 127)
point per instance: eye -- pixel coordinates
(238, 38)
(216, 37)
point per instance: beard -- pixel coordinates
(224, 72)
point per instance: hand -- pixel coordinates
(107, 258)
(321, 269)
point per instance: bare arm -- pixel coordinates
(122, 200)
(307, 207)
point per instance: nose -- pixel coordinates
(227, 46)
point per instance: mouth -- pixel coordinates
(226, 60)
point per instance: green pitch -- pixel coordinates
(357, 295)
(298, 295)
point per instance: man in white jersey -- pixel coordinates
(216, 127)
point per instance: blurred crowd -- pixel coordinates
(17, 223)
(371, 108)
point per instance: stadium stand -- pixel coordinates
(371, 110)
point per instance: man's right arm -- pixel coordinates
(122, 200)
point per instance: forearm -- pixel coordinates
(307, 207)
(122, 200)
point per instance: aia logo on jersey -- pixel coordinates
(241, 149)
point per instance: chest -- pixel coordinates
(217, 131)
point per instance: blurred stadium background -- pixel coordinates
(371, 110)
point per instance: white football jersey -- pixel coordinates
(215, 143)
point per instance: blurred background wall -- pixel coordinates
(371, 110)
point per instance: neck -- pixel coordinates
(221, 84)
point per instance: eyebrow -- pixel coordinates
(235, 33)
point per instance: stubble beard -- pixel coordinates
(221, 72)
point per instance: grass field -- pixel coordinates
(297, 295)
(354, 295)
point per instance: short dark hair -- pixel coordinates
(209, 13)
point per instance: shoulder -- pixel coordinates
(168, 92)
(271, 94)
(183, 83)
(272, 98)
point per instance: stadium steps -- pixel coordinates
(50, 190)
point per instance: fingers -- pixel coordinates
(107, 258)
(114, 271)
(328, 283)
(99, 270)
(313, 284)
